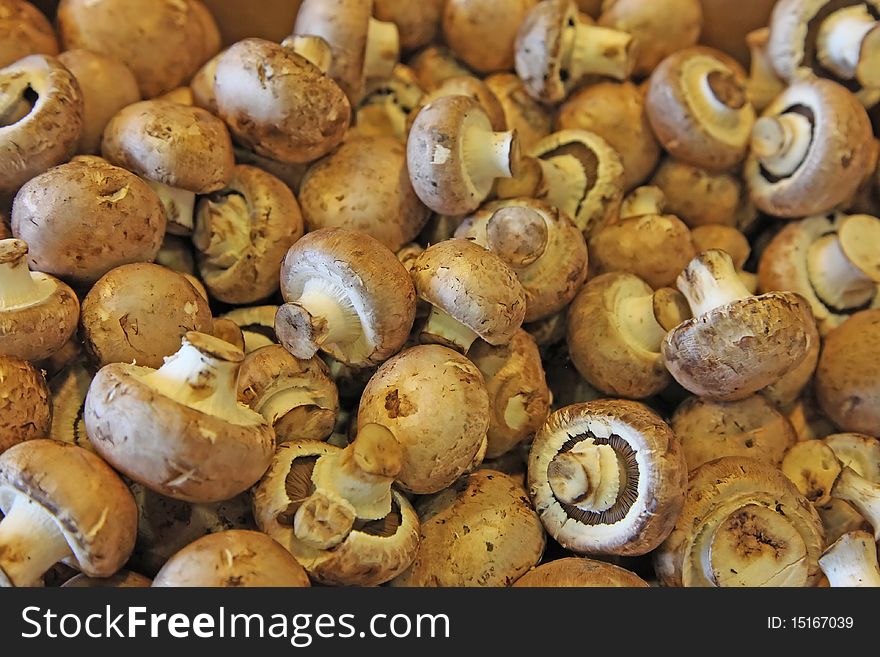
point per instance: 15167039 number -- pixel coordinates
(810, 623)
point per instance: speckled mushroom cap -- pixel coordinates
(89, 502)
(417, 22)
(82, 219)
(124, 579)
(472, 285)
(24, 30)
(434, 401)
(176, 145)
(482, 34)
(48, 124)
(233, 559)
(837, 159)
(577, 572)
(699, 197)
(480, 532)
(472, 87)
(651, 489)
(296, 115)
(164, 47)
(364, 185)
(846, 384)
(743, 500)
(25, 409)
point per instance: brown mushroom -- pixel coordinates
(434, 64)
(698, 196)
(417, 22)
(578, 572)
(24, 30)
(472, 87)
(387, 106)
(531, 120)
(25, 409)
(482, 33)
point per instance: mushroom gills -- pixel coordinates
(570, 172)
(848, 44)
(324, 314)
(69, 390)
(31, 542)
(179, 204)
(846, 281)
(442, 328)
(223, 230)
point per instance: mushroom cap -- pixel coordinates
(164, 47)
(89, 502)
(482, 34)
(727, 238)
(364, 185)
(242, 233)
(139, 313)
(417, 22)
(373, 279)
(836, 162)
(480, 532)
(370, 555)
(472, 87)
(650, 498)
(48, 134)
(440, 440)
(296, 115)
(577, 572)
(124, 579)
(435, 63)
(233, 559)
(846, 384)
(684, 110)
(474, 286)
(752, 427)
(82, 219)
(698, 196)
(600, 342)
(538, 49)
(25, 408)
(24, 30)
(176, 145)
(740, 347)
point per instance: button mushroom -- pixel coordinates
(482, 33)
(851, 561)
(25, 409)
(24, 30)
(531, 120)
(61, 503)
(576, 572)
(417, 22)
(699, 197)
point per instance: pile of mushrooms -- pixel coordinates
(440, 293)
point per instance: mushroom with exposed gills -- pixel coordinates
(24, 30)
(387, 106)
(187, 435)
(579, 572)
(257, 324)
(61, 503)
(347, 295)
(25, 406)
(607, 477)
(851, 561)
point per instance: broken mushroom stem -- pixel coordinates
(588, 476)
(487, 155)
(29, 530)
(782, 142)
(844, 267)
(589, 49)
(18, 286)
(518, 235)
(711, 281)
(862, 493)
(851, 561)
(848, 44)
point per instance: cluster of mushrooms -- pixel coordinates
(440, 293)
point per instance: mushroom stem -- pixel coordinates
(709, 281)
(275, 406)
(763, 84)
(638, 320)
(442, 328)
(851, 561)
(179, 207)
(487, 155)
(781, 142)
(330, 307)
(31, 542)
(17, 100)
(18, 286)
(518, 235)
(863, 494)
(837, 281)
(848, 44)
(383, 49)
(587, 476)
(588, 49)
(312, 48)
(643, 201)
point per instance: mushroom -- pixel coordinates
(242, 233)
(454, 155)
(726, 24)
(480, 532)
(616, 326)
(616, 112)
(659, 28)
(440, 440)
(181, 151)
(531, 120)
(473, 293)
(832, 261)
(257, 325)
(578, 572)
(730, 240)
(434, 64)
(82, 219)
(364, 186)
(202, 85)
(558, 48)
(764, 83)
(296, 115)
(810, 150)
(851, 561)
(540, 244)
(123, 579)
(846, 384)
(362, 47)
(68, 390)
(347, 295)
(25, 408)
(41, 117)
(61, 503)
(743, 524)
(862, 454)
(385, 109)
(482, 33)
(417, 22)
(812, 466)
(38, 313)
(138, 313)
(335, 511)
(297, 397)
(474, 88)
(164, 47)
(24, 30)
(607, 477)
(232, 559)
(698, 106)
(699, 197)
(228, 331)
(862, 494)
(752, 427)
(107, 85)
(736, 343)
(186, 434)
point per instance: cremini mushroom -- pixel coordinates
(531, 120)
(257, 324)
(347, 295)
(743, 524)
(417, 22)
(61, 503)
(187, 435)
(335, 510)
(730, 240)
(482, 33)
(232, 559)
(387, 105)
(851, 561)
(472, 87)
(24, 30)
(699, 197)
(607, 477)
(480, 532)
(434, 64)
(123, 579)
(579, 572)
(25, 408)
